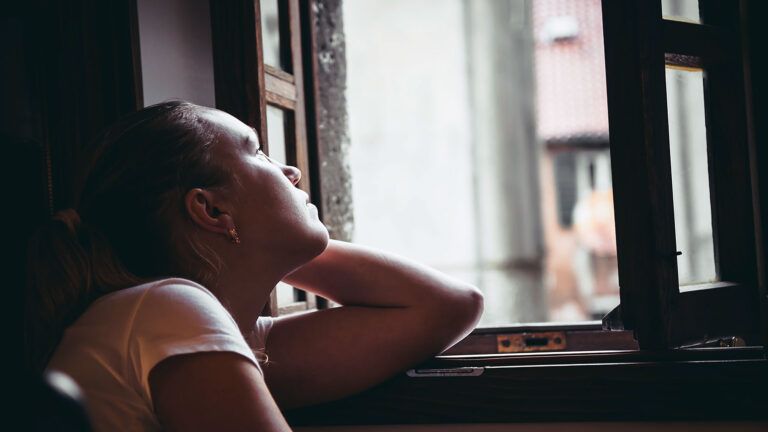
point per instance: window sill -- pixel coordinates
(704, 383)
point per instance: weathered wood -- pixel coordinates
(280, 101)
(280, 87)
(279, 73)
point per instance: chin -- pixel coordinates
(310, 243)
(320, 242)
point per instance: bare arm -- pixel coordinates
(395, 313)
(208, 391)
(354, 275)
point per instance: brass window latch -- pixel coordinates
(530, 342)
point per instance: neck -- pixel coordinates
(244, 298)
(244, 290)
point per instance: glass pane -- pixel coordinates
(270, 32)
(490, 160)
(690, 176)
(276, 134)
(681, 10)
(276, 141)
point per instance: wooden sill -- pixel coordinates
(708, 383)
(582, 336)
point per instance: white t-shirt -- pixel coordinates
(110, 349)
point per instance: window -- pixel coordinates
(525, 129)
(646, 120)
(691, 364)
(491, 161)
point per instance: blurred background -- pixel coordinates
(479, 145)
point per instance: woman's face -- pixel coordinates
(269, 211)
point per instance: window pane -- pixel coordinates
(681, 10)
(479, 145)
(690, 176)
(270, 31)
(276, 133)
(276, 141)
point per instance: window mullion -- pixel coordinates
(728, 152)
(640, 163)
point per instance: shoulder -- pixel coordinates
(175, 317)
(175, 291)
(166, 289)
(179, 300)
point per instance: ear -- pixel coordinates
(208, 211)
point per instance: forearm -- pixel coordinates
(352, 274)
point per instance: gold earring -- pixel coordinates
(233, 237)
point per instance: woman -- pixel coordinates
(149, 294)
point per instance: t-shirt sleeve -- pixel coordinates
(263, 326)
(180, 317)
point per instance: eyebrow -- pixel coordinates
(247, 140)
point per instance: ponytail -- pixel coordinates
(134, 228)
(69, 265)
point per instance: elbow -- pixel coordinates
(461, 316)
(475, 305)
(467, 308)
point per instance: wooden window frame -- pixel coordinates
(473, 381)
(661, 314)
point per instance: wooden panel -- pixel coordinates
(278, 73)
(640, 166)
(280, 101)
(281, 90)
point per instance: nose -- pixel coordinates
(293, 173)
